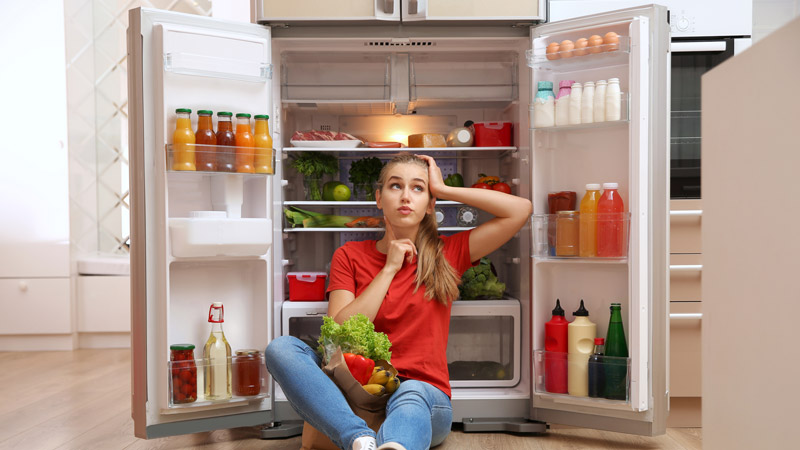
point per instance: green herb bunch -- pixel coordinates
(313, 165)
(364, 174)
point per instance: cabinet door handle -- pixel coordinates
(686, 267)
(388, 6)
(413, 7)
(686, 316)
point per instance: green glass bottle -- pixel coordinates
(616, 367)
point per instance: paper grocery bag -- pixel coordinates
(365, 405)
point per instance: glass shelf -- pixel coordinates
(359, 230)
(392, 151)
(218, 155)
(349, 203)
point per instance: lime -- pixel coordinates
(341, 193)
(327, 190)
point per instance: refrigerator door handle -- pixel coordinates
(704, 46)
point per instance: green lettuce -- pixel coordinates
(355, 335)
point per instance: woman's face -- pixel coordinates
(405, 198)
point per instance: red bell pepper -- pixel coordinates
(360, 367)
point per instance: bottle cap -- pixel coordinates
(565, 83)
(204, 112)
(246, 351)
(183, 110)
(576, 85)
(181, 347)
(581, 311)
(616, 306)
(593, 187)
(601, 82)
(261, 116)
(470, 123)
(225, 114)
(558, 311)
(244, 115)
(548, 85)
(599, 341)
(216, 313)
(613, 80)
(610, 185)
(588, 83)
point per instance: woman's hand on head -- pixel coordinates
(435, 180)
(398, 250)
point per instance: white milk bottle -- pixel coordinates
(613, 100)
(600, 101)
(580, 344)
(575, 96)
(587, 103)
(544, 106)
(562, 103)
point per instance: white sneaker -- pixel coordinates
(365, 443)
(391, 446)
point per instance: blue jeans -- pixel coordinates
(418, 415)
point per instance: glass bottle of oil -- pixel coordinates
(217, 357)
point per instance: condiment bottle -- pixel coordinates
(616, 360)
(587, 103)
(245, 144)
(596, 369)
(183, 372)
(183, 141)
(567, 233)
(544, 106)
(575, 98)
(562, 102)
(613, 100)
(599, 105)
(459, 137)
(263, 144)
(217, 357)
(555, 357)
(247, 372)
(226, 142)
(610, 223)
(205, 156)
(557, 201)
(581, 334)
(588, 221)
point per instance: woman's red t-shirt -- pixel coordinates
(417, 327)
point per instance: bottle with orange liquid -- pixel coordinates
(183, 141)
(610, 223)
(245, 143)
(205, 156)
(263, 159)
(588, 221)
(226, 142)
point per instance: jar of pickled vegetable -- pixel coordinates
(184, 373)
(247, 372)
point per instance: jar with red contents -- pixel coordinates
(247, 372)
(183, 373)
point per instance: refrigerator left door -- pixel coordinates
(199, 234)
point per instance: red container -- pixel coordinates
(306, 286)
(492, 134)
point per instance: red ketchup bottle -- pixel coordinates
(555, 357)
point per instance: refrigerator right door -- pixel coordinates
(596, 134)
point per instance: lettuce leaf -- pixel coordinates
(355, 335)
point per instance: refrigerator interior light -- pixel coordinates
(210, 66)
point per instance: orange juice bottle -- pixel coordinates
(183, 141)
(588, 221)
(263, 159)
(245, 144)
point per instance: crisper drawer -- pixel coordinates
(685, 277)
(685, 365)
(303, 320)
(685, 222)
(483, 349)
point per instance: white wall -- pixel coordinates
(769, 15)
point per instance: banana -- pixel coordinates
(380, 377)
(377, 369)
(392, 385)
(375, 389)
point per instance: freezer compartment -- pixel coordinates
(483, 348)
(248, 381)
(324, 77)
(605, 380)
(219, 236)
(557, 236)
(548, 53)
(220, 159)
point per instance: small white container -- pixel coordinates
(192, 237)
(575, 98)
(587, 103)
(613, 100)
(600, 101)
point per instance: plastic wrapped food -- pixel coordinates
(319, 135)
(426, 140)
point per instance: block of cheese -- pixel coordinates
(426, 140)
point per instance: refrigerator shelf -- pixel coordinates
(216, 67)
(538, 58)
(216, 153)
(200, 236)
(624, 119)
(577, 260)
(389, 152)
(610, 368)
(558, 238)
(349, 203)
(359, 230)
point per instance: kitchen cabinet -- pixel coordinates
(328, 11)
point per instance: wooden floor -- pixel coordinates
(81, 400)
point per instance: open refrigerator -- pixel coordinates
(202, 237)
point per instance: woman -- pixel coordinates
(405, 283)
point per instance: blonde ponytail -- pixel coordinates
(433, 270)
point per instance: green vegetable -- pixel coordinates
(295, 216)
(480, 282)
(309, 219)
(364, 174)
(454, 180)
(355, 335)
(313, 165)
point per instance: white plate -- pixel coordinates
(327, 144)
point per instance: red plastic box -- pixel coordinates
(492, 134)
(306, 286)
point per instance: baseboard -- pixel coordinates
(37, 342)
(685, 412)
(104, 340)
